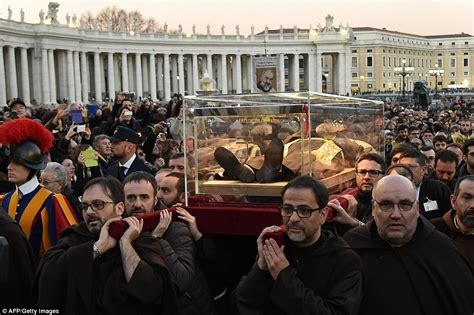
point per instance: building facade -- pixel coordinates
(44, 62)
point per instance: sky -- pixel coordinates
(421, 17)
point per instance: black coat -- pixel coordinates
(427, 275)
(137, 165)
(17, 291)
(70, 280)
(323, 278)
(434, 190)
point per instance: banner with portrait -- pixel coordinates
(266, 71)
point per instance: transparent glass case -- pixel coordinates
(276, 137)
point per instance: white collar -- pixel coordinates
(129, 162)
(29, 186)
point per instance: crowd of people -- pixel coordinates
(400, 240)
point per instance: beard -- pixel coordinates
(467, 218)
(94, 224)
(136, 211)
(298, 236)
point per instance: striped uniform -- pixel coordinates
(41, 214)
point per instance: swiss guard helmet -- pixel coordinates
(29, 142)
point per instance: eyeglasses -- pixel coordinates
(372, 173)
(302, 212)
(95, 205)
(46, 182)
(403, 205)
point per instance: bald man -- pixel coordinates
(404, 256)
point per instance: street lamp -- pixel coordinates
(362, 79)
(436, 72)
(403, 71)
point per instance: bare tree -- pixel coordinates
(111, 17)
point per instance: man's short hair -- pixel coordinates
(415, 154)
(467, 144)
(111, 186)
(319, 190)
(138, 176)
(402, 147)
(402, 127)
(440, 138)
(59, 171)
(412, 128)
(163, 170)
(426, 148)
(454, 144)
(400, 169)
(179, 155)
(459, 181)
(372, 157)
(446, 156)
(98, 139)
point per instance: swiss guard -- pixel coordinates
(41, 214)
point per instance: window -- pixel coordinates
(452, 74)
(383, 74)
(369, 50)
(466, 43)
(383, 61)
(355, 75)
(395, 85)
(440, 63)
(466, 62)
(453, 43)
(369, 85)
(440, 55)
(354, 51)
(389, 74)
(354, 62)
(370, 74)
(466, 73)
(389, 62)
(453, 54)
(440, 44)
(383, 85)
(452, 62)
(466, 54)
(369, 61)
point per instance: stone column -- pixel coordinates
(138, 75)
(62, 75)
(36, 77)
(111, 75)
(281, 75)
(97, 78)
(25, 76)
(209, 65)
(250, 74)
(189, 74)
(181, 74)
(12, 72)
(340, 74)
(117, 75)
(152, 74)
(125, 87)
(145, 76)
(77, 78)
(84, 77)
(45, 77)
(70, 77)
(311, 70)
(195, 84)
(52, 76)
(132, 86)
(160, 75)
(167, 81)
(295, 80)
(238, 73)
(174, 74)
(319, 73)
(347, 71)
(230, 79)
(224, 73)
(3, 91)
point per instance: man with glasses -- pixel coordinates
(432, 195)
(315, 272)
(408, 266)
(90, 272)
(370, 168)
(468, 167)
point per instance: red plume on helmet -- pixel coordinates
(23, 129)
